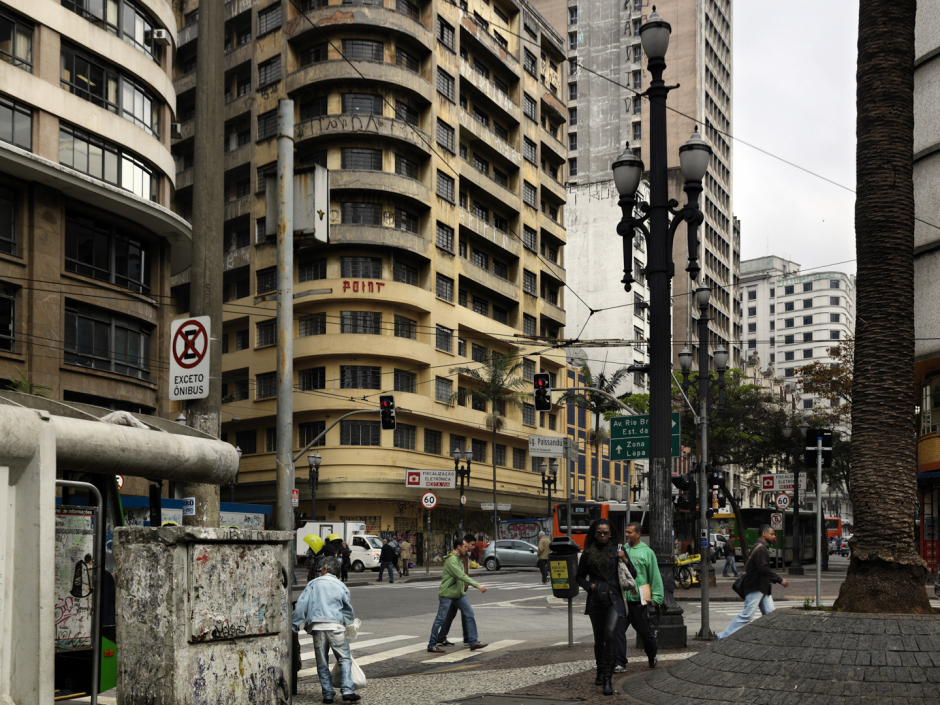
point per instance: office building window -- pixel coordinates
(363, 49)
(529, 195)
(788, 340)
(445, 33)
(101, 340)
(362, 104)
(269, 72)
(361, 267)
(529, 107)
(360, 158)
(807, 303)
(787, 322)
(96, 249)
(360, 377)
(834, 284)
(789, 306)
(807, 353)
(807, 286)
(103, 160)
(360, 433)
(529, 283)
(314, 54)
(406, 381)
(833, 300)
(443, 389)
(312, 324)
(445, 85)
(306, 432)
(360, 322)
(529, 150)
(405, 273)
(405, 60)
(404, 436)
(265, 333)
(500, 315)
(528, 324)
(432, 441)
(7, 317)
(787, 356)
(312, 270)
(528, 369)
(266, 280)
(445, 136)
(360, 214)
(752, 311)
(266, 385)
(529, 238)
(751, 327)
(834, 317)
(16, 121)
(445, 189)
(807, 320)
(313, 378)
(518, 459)
(479, 450)
(241, 339)
(529, 62)
(445, 287)
(528, 414)
(247, 441)
(573, 167)
(833, 335)
(406, 328)
(444, 339)
(787, 290)
(406, 113)
(269, 19)
(445, 239)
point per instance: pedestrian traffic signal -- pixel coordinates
(688, 495)
(543, 392)
(387, 409)
(809, 455)
(715, 477)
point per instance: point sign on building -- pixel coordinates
(429, 500)
(189, 358)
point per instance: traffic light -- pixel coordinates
(300, 521)
(543, 392)
(715, 477)
(387, 409)
(688, 492)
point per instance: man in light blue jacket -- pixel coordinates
(324, 609)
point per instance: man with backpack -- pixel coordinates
(756, 583)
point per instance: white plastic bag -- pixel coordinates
(352, 630)
(358, 677)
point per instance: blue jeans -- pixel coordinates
(729, 563)
(391, 571)
(322, 643)
(751, 603)
(463, 604)
(451, 613)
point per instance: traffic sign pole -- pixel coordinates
(819, 517)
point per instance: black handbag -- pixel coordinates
(738, 585)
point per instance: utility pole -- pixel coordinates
(208, 215)
(285, 313)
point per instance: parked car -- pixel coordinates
(716, 546)
(838, 545)
(512, 554)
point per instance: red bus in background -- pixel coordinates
(584, 513)
(833, 527)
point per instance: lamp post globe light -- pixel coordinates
(694, 157)
(462, 473)
(313, 477)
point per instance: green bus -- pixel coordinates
(753, 518)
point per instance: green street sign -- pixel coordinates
(630, 435)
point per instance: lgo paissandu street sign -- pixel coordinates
(630, 437)
(189, 358)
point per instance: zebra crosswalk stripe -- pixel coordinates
(356, 645)
(467, 653)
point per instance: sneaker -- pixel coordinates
(620, 669)
(653, 661)
(352, 697)
(476, 646)
(445, 643)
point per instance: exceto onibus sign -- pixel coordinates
(189, 358)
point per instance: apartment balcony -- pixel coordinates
(384, 20)
(555, 106)
(238, 208)
(237, 57)
(184, 178)
(488, 280)
(378, 235)
(554, 187)
(555, 313)
(395, 184)
(186, 35)
(484, 86)
(504, 241)
(343, 125)
(555, 229)
(184, 83)
(239, 106)
(491, 189)
(237, 157)
(187, 130)
(371, 73)
(485, 135)
(488, 42)
(554, 145)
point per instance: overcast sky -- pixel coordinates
(794, 96)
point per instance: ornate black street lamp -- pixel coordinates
(694, 157)
(463, 473)
(796, 564)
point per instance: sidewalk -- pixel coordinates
(801, 586)
(416, 575)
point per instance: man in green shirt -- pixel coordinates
(648, 581)
(451, 591)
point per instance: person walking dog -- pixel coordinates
(758, 577)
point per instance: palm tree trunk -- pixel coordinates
(885, 573)
(596, 472)
(495, 510)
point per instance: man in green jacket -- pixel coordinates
(450, 592)
(650, 582)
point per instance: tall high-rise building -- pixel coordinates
(88, 240)
(791, 319)
(442, 126)
(607, 74)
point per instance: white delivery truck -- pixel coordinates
(365, 548)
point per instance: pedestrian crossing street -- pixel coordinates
(398, 649)
(482, 579)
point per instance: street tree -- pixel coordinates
(831, 381)
(885, 574)
(597, 405)
(493, 385)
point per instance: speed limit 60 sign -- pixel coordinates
(782, 501)
(429, 500)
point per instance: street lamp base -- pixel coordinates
(795, 569)
(705, 635)
(671, 633)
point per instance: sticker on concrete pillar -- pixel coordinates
(189, 506)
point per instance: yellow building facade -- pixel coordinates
(441, 127)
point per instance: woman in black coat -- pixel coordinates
(598, 574)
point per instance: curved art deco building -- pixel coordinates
(88, 240)
(441, 125)
(927, 275)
